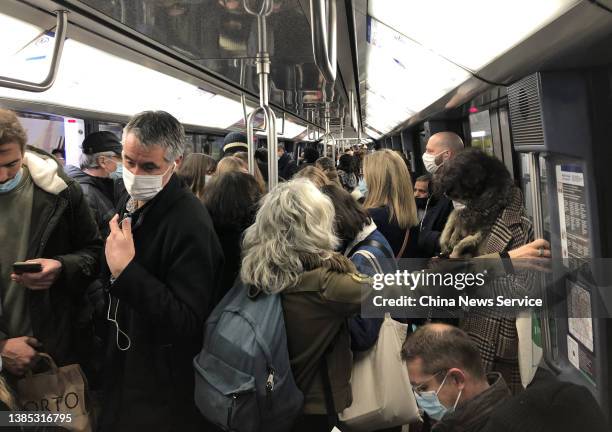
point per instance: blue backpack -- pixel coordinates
(243, 379)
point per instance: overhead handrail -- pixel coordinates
(262, 61)
(323, 28)
(58, 46)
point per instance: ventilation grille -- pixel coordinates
(526, 112)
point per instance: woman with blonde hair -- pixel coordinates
(290, 250)
(230, 164)
(196, 170)
(314, 174)
(390, 201)
(244, 157)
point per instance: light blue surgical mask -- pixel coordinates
(428, 401)
(118, 173)
(363, 187)
(11, 184)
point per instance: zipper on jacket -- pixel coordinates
(231, 410)
(270, 386)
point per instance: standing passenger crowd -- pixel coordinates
(132, 250)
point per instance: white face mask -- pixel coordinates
(458, 205)
(207, 178)
(144, 187)
(429, 161)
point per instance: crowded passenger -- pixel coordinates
(45, 221)
(493, 220)
(367, 248)
(290, 249)
(261, 158)
(231, 164)
(422, 187)
(315, 175)
(441, 147)
(390, 201)
(347, 172)
(231, 200)
(309, 157)
(100, 163)
(453, 389)
(328, 167)
(286, 165)
(244, 157)
(165, 263)
(235, 142)
(196, 171)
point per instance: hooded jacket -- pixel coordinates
(61, 228)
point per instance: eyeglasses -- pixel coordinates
(419, 388)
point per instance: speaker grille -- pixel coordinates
(526, 112)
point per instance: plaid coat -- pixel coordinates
(495, 335)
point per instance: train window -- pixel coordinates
(482, 137)
(115, 128)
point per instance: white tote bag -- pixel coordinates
(382, 394)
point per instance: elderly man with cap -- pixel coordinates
(100, 165)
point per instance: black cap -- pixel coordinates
(99, 142)
(235, 142)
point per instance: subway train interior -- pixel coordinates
(528, 82)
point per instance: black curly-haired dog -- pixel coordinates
(483, 184)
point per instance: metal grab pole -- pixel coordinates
(324, 41)
(263, 71)
(58, 46)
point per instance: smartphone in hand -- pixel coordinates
(26, 267)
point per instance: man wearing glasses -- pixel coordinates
(450, 385)
(448, 379)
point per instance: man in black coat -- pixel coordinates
(441, 146)
(165, 261)
(286, 165)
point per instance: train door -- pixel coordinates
(551, 130)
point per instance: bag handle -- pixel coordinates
(406, 237)
(52, 365)
(372, 259)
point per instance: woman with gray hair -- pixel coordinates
(290, 250)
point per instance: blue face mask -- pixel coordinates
(363, 187)
(11, 184)
(428, 401)
(118, 173)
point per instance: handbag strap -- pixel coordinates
(372, 259)
(370, 242)
(406, 237)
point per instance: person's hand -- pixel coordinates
(119, 249)
(51, 270)
(18, 354)
(535, 255)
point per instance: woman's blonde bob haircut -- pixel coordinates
(294, 223)
(389, 185)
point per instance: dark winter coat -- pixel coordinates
(99, 193)
(549, 405)
(472, 415)
(286, 167)
(436, 214)
(394, 234)
(162, 299)
(61, 228)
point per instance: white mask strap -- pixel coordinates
(114, 321)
